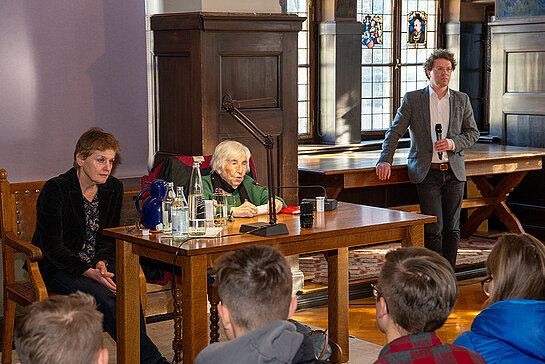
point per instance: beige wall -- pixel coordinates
(247, 6)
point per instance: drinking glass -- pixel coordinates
(220, 209)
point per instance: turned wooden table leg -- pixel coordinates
(214, 299)
(177, 341)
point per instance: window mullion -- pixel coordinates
(396, 56)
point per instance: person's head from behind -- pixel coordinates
(516, 266)
(61, 329)
(417, 290)
(230, 160)
(94, 155)
(255, 289)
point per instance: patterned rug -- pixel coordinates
(365, 262)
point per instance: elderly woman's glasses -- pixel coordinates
(486, 284)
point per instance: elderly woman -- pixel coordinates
(511, 329)
(229, 167)
(72, 211)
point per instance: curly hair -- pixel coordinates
(438, 54)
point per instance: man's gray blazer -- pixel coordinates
(414, 113)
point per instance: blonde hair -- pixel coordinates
(60, 329)
(517, 267)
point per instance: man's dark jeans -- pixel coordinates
(441, 194)
(64, 282)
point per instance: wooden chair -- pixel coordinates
(17, 224)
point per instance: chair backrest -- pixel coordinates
(18, 206)
(17, 224)
(177, 169)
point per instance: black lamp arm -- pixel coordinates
(265, 139)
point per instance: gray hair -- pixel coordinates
(60, 329)
(226, 151)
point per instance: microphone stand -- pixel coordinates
(272, 228)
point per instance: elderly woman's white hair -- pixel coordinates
(226, 151)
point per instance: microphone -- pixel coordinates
(330, 204)
(439, 135)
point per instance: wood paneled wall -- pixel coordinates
(517, 105)
(200, 57)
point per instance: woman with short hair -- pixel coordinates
(230, 165)
(72, 210)
(511, 329)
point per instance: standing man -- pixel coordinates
(441, 125)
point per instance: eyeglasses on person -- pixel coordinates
(486, 284)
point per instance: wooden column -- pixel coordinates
(200, 57)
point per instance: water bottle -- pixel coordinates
(180, 216)
(197, 211)
(168, 200)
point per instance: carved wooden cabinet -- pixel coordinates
(200, 57)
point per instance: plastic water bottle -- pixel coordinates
(197, 211)
(168, 200)
(180, 216)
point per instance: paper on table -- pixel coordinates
(212, 232)
(263, 209)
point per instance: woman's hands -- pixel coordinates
(278, 205)
(101, 275)
(247, 209)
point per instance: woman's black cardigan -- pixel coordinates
(60, 223)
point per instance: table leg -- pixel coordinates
(195, 317)
(214, 299)
(337, 261)
(414, 236)
(333, 192)
(177, 341)
(499, 193)
(128, 304)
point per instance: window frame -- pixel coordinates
(314, 8)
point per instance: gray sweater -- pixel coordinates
(275, 343)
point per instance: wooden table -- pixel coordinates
(357, 169)
(333, 232)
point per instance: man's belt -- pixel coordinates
(440, 166)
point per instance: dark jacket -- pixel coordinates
(60, 223)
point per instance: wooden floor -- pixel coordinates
(362, 315)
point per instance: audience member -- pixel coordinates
(416, 292)
(511, 329)
(72, 210)
(61, 329)
(254, 285)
